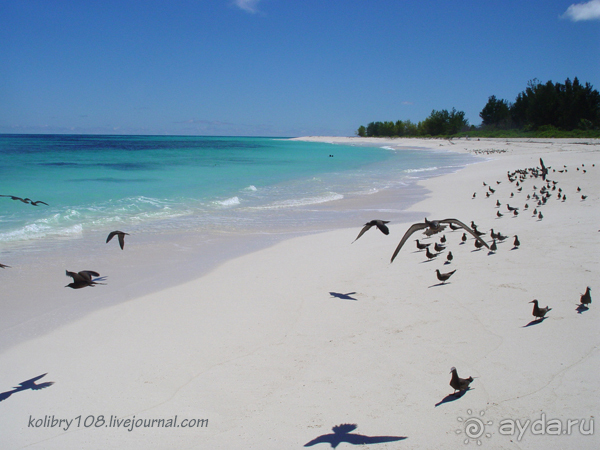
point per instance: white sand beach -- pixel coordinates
(273, 349)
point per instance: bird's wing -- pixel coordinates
(87, 274)
(43, 203)
(75, 276)
(122, 240)
(384, 229)
(110, 236)
(363, 231)
(458, 222)
(414, 227)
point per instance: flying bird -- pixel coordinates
(37, 202)
(121, 235)
(457, 383)
(82, 279)
(3, 266)
(537, 311)
(443, 277)
(432, 227)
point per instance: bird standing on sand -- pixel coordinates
(432, 227)
(498, 203)
(457, 383)
(82, 279)
(586, 298)
(443, 277)
(516, 243)
(478, 245)
(537, 311)
(493, 247)
(429, 254)
(438, 248)
(499, 214)
(464, 237)
(450, 257)
(540, 216)
(422, 246)
(122, 237)
(378, 223)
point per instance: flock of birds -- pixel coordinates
(83, 278)
(538, 198)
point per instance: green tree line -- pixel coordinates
(569, 107)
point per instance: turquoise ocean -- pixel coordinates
(162, 184)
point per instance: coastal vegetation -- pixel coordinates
(545, 110)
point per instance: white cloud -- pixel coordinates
(583, 11)
(250, 6)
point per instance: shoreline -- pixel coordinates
(267, 348)
(153, 262)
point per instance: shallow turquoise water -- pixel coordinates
(158, 183)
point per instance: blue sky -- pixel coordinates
(277, 67)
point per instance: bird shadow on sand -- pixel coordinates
(447, 262)
(581, 308)
(452, 397)
(342, 433)
(27, 384)
(439, 284)
(343, 296)
(535, 322)
(427, 260)
(491, 252)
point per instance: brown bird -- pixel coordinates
(432, 227)
(378, 223)
(464, 237)
(479, 245)
(3, 266)
(443, 277)
(540, 216)
(122, 237)
(429, 254)
(24, 200)
(493, 247)
(450, 257)
(586, 298)
(443, 239)
(37, 202)
(438, 248)
(422, 246)
(537, 311)
(498, 203)
(82, 279)
(516, 243)
(457, 383)
(583, 197)
(499, 214)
